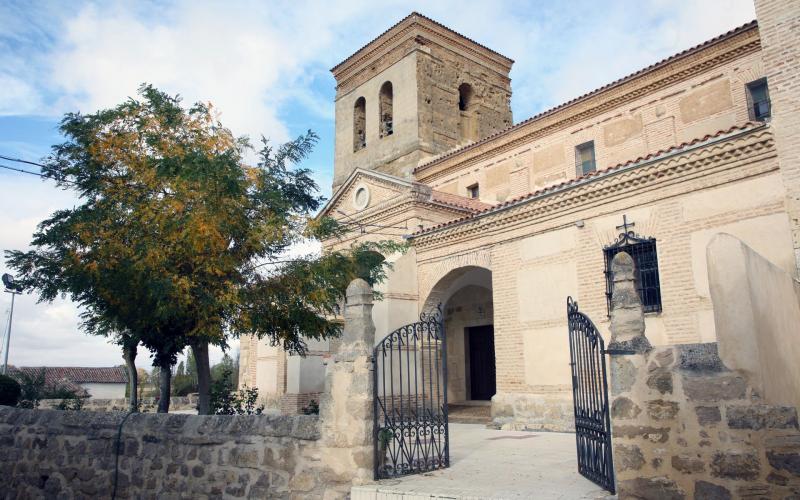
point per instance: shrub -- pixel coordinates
(226, 401)
(70, 404)
(10, 391)
(311, 409)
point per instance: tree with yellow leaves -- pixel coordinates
(169, 245)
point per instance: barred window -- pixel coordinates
(758, 100)
(644, 255)
(584, 158)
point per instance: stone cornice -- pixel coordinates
(423, 31)
(702, 159)
(707, 56)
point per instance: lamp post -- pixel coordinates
(14, 289)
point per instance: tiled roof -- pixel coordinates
(555, 187)
(459, 201)
(417, 14)
(80, 375)
(652, 67)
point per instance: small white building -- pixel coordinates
(102, 382)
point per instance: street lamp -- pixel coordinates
(14, 289)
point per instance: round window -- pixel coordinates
(361, 197)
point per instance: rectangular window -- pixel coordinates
(584, 158)
(643, 252)
(473, 191)
(758, 99)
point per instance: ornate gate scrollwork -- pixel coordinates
(590, 398)
(411, 432)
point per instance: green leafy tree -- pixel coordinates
(174, 229)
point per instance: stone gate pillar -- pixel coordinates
(346, 410)
(627, 358)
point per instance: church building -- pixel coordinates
(504, 220)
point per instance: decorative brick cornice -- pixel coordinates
(723, 151)
(713, 53)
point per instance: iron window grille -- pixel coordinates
(584, 158)
(758, 100)
(644, 255)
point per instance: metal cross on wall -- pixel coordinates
(625, 224)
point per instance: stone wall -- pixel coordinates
(685, 425)
(176, 403)
(72, 454)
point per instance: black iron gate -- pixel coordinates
(411, 434)
(590, 398)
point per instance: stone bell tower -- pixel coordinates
(416, 91)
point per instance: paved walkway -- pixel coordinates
(488, 463)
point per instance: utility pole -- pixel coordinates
(14, 289)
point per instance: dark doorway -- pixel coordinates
(483, 381)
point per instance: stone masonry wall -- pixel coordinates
(685, 426)
(73, 454)
(47, 453)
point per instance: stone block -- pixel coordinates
(662, 410)
(623, 374)
(761, 417)
(703, 490)
(661, 488)
(708, 415)
(785, 461)
(714, 387)
(736, 464)
(700, 358)
(664, 357)
(623, 407)
(660, 380)
(688, 464)
(652, 434)
(628, 457)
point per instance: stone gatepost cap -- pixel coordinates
(622, 267)
(359, 288)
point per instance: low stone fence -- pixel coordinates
(685, 426)
(48, 452)
(176, 403)
(75, 454)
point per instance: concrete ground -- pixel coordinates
(487, 463)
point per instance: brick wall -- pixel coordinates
(779, 27)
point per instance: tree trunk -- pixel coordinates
(200, 351)
(165, 379)
(129, 355)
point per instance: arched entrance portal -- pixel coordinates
(466, 297)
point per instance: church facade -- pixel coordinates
(505, 220)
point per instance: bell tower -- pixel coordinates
(417, 91)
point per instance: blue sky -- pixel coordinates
(265, 66)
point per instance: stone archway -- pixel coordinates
(465, 294)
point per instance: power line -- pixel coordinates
(37, 174)
(19, 160)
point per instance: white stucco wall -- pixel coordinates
(757, 315)
(105, 391)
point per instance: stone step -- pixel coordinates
(470, 414)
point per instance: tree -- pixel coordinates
(179, 242)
